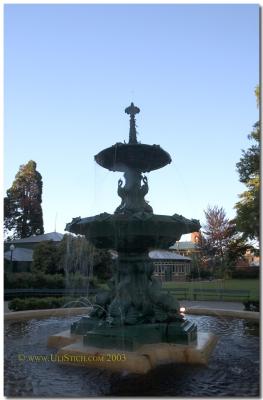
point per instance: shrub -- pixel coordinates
(201, 273)
(80, 281)
(251, 305)
(248, 273)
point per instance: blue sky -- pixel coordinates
(70, 71)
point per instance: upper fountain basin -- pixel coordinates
(142, 157)
(137, 232)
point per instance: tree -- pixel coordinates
(217, 231)
(46, 258)
(236, 249)
(248, 168)
(103, 265)
(22, 205)
(222, 244)
(77, 254)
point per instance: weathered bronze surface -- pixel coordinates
(142, 157)
(135, 297)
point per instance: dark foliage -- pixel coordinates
(77, 254)
(247, 273)
(221, 244)
(251, 305)
(32, 303)
(248, 208)
(27, 280)
(22, 204)
(46, 258)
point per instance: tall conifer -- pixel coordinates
(22, 205)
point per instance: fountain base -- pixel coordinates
(131, 337)
(71, 350)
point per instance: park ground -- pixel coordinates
(253, 285)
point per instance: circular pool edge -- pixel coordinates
(56, 312)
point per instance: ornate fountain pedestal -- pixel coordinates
(133, 337)
(134, 317)
(135, 311)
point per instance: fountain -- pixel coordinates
(134, 317)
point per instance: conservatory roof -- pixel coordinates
(183, 246)
(159, 255)
(167, 255)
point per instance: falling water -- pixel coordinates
(78, 264)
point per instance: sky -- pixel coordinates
(71, 70)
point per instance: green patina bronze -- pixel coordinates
(135, 310)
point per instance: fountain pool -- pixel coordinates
(233, 368)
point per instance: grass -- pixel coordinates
(231, 284)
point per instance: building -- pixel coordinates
(169, 266)
(19, 253)
(252, 259)
(188, 248)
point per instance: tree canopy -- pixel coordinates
(46, 258)
(77, 254)
(217, 230)
(248, 167)
(221, 242)
(23, 215)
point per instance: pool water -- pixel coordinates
(233, 368)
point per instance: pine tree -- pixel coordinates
(22, 205)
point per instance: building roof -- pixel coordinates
(19, 254)
(159, 255)
(55, 236)
(183, 246)
(167, 255)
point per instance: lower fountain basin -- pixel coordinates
(136, 232)
(72, 351)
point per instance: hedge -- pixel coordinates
(27, 280)
(32, 303)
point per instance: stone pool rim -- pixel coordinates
(57, 312)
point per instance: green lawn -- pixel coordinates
(235, 284)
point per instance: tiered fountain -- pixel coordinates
(135, 316)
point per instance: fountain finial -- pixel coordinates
(132, 110)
